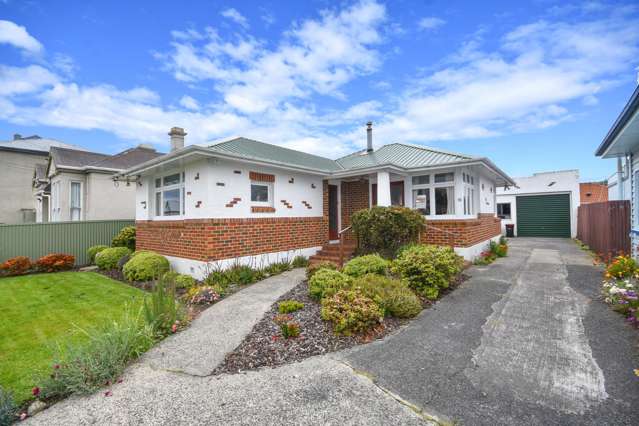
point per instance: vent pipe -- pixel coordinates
(369, 136)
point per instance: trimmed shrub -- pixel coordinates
(179, 280)
(327, 282)
(162, 312)
(299, 262)
(125, 238)
(83, 369)
(18, 265)
(393, 296)
(384, 230)
(108, 258)
(93, 250)
(55, 262)
(351, 312)
(367, 264)
(145, 266)
(8, 408)
(325, 264)
(288, 306)
(427, 268)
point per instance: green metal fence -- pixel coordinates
(37, 239)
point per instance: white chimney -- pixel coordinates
(369, 136)
(177, 138)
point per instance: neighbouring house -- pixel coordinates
(79, 185)
(18, 159)
(593, 192)
(622, 142)
(542, 205)
(249, 201)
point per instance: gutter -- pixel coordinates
(631, 107)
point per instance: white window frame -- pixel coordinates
(162, 189)
(81, 207)
(55, 205)
(432, 186)
(270, 188)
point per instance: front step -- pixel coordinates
(330, 253)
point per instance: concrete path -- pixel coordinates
(220, 329)
(525, 341)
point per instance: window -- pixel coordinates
(262, 193)
(445, 200)
(421, 200)
(55, 201)
(169, 195)
(503, 210)
(421, 180)
(76, 201)
(636, 201)
(444, 177)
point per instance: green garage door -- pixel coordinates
(543, 216)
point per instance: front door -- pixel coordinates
(332, 212)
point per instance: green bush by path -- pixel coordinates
(288, 306)
(351, 312)
(108, 259)
(145, 266)
(367, 264)
(326, 282)
(93, 250)
(393, 296)
(325, 264)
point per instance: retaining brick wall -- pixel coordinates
(461, 232)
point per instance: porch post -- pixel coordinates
(383, 189)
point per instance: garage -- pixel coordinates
(543, 215)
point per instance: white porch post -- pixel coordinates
(383, 189)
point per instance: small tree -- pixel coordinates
(125, 238)
(384, 230)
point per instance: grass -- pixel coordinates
(42, 310)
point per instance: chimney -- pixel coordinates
(369, 136)
(17, 136)
(177, 138)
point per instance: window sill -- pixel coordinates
(262, 209)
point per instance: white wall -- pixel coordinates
(613, 188)
(16, 174)
(215, 184)
(566, 182)
(104, 200)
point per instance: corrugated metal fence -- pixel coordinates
(605, 227)
(37, 239)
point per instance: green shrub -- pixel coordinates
(499, 250)
(313, 268)
(179, 280)
(108, 259)
(145, 266)
(326, 282)
(278, 267)
(393, 296)
(93, 250)
(83, 369)
(427, 268)
(299, 262)
(162, 312)
(351, 312)
(8, 408)
(125, 238)
(288, 306)
(384, 230)
(234, 275)
(367, 264)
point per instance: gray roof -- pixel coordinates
(63, 157)
(400, 155)
(255, 150)
(36, 144)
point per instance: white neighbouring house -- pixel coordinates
(249, 201)
(542, 205)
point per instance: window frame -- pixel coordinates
(270, 195)
(160, 190)
(432, 186)
(503, 216)
(81, 201)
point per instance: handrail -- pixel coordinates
(341, 244)
(344, 230)
(455, 234)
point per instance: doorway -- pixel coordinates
(332, 213)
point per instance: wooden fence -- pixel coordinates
(37, 239)
(605, 227)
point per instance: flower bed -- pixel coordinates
(620, 287)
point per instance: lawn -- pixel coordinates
(39, 311)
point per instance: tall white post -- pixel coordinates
(383, 189)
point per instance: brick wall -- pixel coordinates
(216, 239)
(461, 232)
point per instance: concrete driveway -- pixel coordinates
(525, 341)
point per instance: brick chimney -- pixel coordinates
(177, 138)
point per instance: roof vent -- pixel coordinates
(369, 136)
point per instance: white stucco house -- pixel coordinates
(245, 200)
(542, 205)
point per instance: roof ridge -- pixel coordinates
(270, 144)
(432, 149)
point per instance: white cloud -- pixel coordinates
(20, 81)
(235, 16)
(268, 18)
(430, 23)
(16, 35)
(189, 103)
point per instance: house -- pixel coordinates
(18, 159)
(249, 201)
(593, 192)
(542, 205)
(78, 185)
(622, 143)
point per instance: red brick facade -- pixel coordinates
(461, 232)
(354, 197)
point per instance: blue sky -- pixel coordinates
(534, 86)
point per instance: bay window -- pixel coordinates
(442, 189)
(169, 195)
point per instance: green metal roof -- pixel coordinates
(400, 155)
(251, 149)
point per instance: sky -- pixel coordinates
(534, 86)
